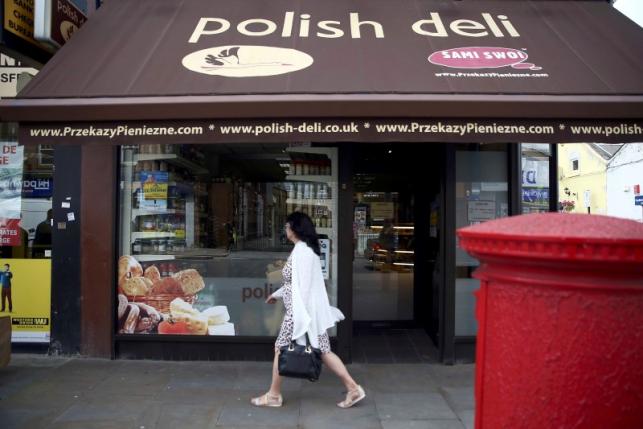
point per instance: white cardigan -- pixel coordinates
(312, 313)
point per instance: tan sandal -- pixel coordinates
(267, 400)
(352, 397)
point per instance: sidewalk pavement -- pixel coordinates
(49, 392)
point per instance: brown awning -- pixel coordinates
(189, 59)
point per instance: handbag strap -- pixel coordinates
(308, 343)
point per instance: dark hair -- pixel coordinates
(302, 226)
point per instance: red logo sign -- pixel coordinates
(10, 232)
(482, 57)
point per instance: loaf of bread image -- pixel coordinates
(127, 324)
(148, 318)
(128, 267)
(152, 273)
(167, 285)
(190, 280)
(137, 286)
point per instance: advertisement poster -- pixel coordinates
(154, 190)
(168, 298)
(26, 298)
(535, 184)
(219, 297)
(480, 211)
(11, 158)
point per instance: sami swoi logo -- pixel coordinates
(482, 57)
(246, 61)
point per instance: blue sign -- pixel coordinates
(37, 187)
(638, 200)
(535, 195)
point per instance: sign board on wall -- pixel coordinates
(30, 298)
(13, 75)
(480, 211)
(19, 19)
(11, 157)
(324, 247)
(56, 21)
(638, 200)
(382, 210)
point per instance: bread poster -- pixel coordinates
(166, 301)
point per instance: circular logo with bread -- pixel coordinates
(149, 303)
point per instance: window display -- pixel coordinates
(535, 177)
(481, 194)
(202, 238)
(26, 190)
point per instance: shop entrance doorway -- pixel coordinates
(396, 190)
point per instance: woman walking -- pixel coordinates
(308, 311)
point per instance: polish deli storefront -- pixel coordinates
(183, 142)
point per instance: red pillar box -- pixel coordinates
(560, 314)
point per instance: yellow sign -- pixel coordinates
(155, 191)
(19, 18)
(382, 210)
(26, 291)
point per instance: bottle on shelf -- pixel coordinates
(137, 247)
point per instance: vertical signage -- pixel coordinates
(324, 247)
(56, 21)
(11, 157)
(19, 19)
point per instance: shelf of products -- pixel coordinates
(148, 258)
(173, 159)
(167, 208)
(306, 178)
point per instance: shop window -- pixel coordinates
(535, 177)
(26, 189)
(202, 240)
(481, 190)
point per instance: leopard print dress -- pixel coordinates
(287, 325)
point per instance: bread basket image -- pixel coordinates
(161, 301)
(148, 287)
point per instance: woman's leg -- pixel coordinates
(275, 386)
(273, 397)
(332, 361)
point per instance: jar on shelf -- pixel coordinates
(163, 246)
(137, 247)
(146, 246)
(171, 269)
(148, 224)
(305, 170)
(155, 247)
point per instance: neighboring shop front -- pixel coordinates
(26, 192)
(181, 165)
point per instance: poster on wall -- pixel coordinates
(191, 297)
(154, 189)
(26, 298)
(11, 159)
(535, 184)
(324, 247)
(161, 299)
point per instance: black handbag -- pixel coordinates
(300, 361)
